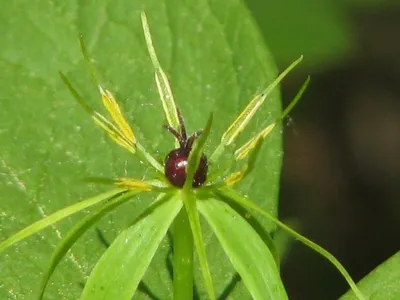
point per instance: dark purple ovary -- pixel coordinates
(175, 168)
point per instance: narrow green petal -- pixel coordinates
(76, 95)
(245, 203)
(195, 155)
(296, 98)
(57, 216)
(116, 114)
(132, 184)
(142, 153)
(190, 204)
(164, 89)
(240, 123)
(85, 54)
(118, 272)
(77, 231)
(382, 283)
(246, 250)
(108, 99)
(237, 176)
(182, 237)
(112, 131)
(243, 151)
(122, 133)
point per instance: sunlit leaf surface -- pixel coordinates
(215, 60)
(246, 250)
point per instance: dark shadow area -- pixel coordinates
(230, 287)
(341, 169)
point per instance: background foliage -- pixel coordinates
(340, 171)
(216, 61)
(341, 168)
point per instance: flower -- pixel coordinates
(121, 268)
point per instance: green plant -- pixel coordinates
(215, 61)
(130, 254)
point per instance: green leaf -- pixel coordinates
(195, 155)
(245, 116)
(57, 216)
(383, 283)
(193, 215)
(215, 60)
(164, 89)
(246, 250)
(231, 195)
(182, 271)
(121, 268)
(78, 230)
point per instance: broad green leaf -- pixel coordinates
(215, 60)
(121, 268)
(78, 230)
(246, 250)
(383, 283)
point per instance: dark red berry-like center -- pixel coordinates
(177, 160)
(175, 168)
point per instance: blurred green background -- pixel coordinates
(341, 171)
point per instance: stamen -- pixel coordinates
(182, 125)
(177, 135)
(191, 139)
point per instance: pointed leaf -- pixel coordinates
(247, 204)
(119, 271)
(77, 231)
(250, 256)
(120, 134)
(108, 99)
(112, 131)
(116, 114)
(237, 176)
(195, 155)
(133, 184)
(240, 123)
(244, 150)
(57, 216)
(164, 89)
(190, 204)
(383, 283)
(214, 63)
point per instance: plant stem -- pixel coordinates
(183, 257)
